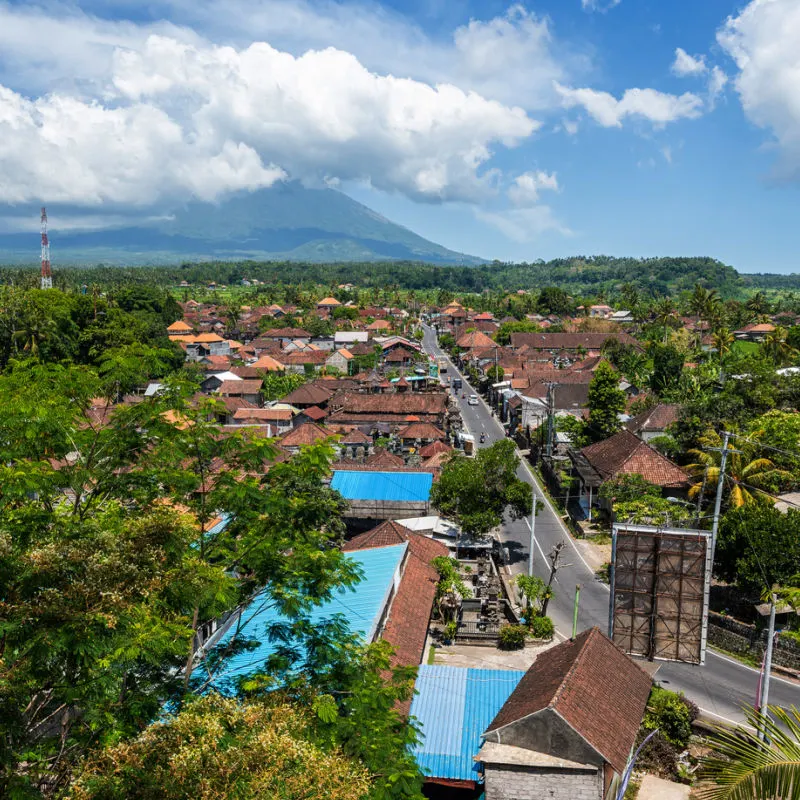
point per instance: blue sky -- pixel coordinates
(509, 131)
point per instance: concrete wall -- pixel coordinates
(547, 732)
(531, 783)
(739, 637)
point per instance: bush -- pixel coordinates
(672, 714)
(512, 637)
(450, 631)
(542, 628)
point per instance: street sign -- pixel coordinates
(660, 581)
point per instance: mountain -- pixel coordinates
(285, 222)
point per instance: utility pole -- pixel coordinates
(555, 557)
(720, 482)
(533, 532)
(550, 402)
(763, 704)
(575, 611)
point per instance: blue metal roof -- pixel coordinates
(361, 605)
(454, 706)
(413, 487)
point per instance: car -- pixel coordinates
(473, 400)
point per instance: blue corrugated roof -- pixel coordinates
(454, 706)
(361, 605)
(414, 487)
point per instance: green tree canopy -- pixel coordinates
(476, 492)
(606, 402)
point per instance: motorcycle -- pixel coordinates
(483, 438)
(463, 395)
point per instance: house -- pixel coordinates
(475, 340)
(547, 346)
(286, 335)
(755, 332)
(624, 454)
(205, 344)
(399, 357)
(304, 435)
(355, 408)
(311, 414)
(654, 422)
(347, 338)
(374, 495)
(301, 360)
(308, 395)
(600, 311)
(366, 608)
(418, 434)
(340, 360)
(407, 626)
(623, 316)
(279, 419)
(249, 390)
(179, 328)
(328, 304)
(355, 444)
(267, 363)
(570, 724)
(379, 325)
(214, 381)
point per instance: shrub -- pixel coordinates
(672, 714)
(512, 637)
(450, 630)
(542, 628)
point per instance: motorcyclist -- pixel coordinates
(483, 438)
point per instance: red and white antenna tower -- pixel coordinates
(47, 274)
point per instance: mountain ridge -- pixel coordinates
(285, 222)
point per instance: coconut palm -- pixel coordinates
(777, 347)
(664, 310)
(743, 767)
(758, 304)
(723, 339)
(746, 471)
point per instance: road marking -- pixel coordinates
(773, 677)
(724, 719)
(544, 556)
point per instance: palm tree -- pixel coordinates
(777, 347)
(745, 767)
(664, 310)
(758, 304)
(723, 339)
(746, 471)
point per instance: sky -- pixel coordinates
(508, 131)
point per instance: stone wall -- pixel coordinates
(739, 637)
(530, 783)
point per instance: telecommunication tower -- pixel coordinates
(47, 273)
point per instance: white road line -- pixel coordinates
(724, 719)
(773, 677)
(544, 556)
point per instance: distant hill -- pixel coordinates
(285, 222)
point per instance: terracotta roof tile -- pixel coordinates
(420, 430)
(598, 690)
(306, 434)
(244, 386)
(624, 453)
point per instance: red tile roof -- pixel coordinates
(420, 430)
(589, 682)
(315, 413)
(305, 357)
(355, 437)
(407, 625)
(286, 333)
(624, 453)
(434, 448)
(474, 339)
(231, 388)
(308, 394)
(305, 434)
(658, 418)
(263, 414)
(383, 458)
(569, 341)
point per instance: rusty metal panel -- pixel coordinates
(659, 592)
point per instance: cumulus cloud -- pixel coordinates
(207, 120)
(599, 5)
(762, 40)
(525, 189)
(524, 224)
(684, 64)
(657, 107)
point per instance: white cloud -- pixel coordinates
(717, 80)
(684, 64)
(656, 107)
(178, 118)
(599, 5)
(526, 187)
(762, 40)
(524, 224)
(570, 126)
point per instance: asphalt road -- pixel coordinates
(720, 688)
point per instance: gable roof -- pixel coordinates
(179, 326)
(598, 690)
(286, 333)
(305, 434)
(658, 418)
(625, 453)
(569, 341)
(328, 301)
(435, 448)
(309, 394)
(383, 458)
(420, 430)
(355, 437)
(240, 386)
(268, 363)
(315, 413)
(475, 339)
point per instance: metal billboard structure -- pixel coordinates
(660, 583)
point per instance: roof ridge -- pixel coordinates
(571, 671)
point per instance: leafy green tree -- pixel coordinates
(218, 747)
(476, 492)
(758, 546)
(503, 335)
(553, 300)
(667, 368)
(536, 592)
(606, 402)
(495, 373)
(276, 386)
(776, 346)
(449, 588)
